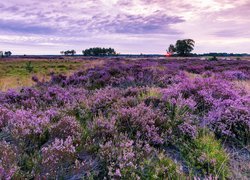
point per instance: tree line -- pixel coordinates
(96, 51)
(5, 54)
(181, 48)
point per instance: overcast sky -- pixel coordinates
(129, 26)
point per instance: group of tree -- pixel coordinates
(97, 51)
(5, 54)
(68, 52)
(182, 47)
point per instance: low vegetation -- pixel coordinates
(140, 119)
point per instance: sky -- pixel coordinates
(129, 26)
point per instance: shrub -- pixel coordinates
(67, 126)
(26, 124)
(179, 123)
(231, 119)
(122, 155)
(206, 92)
(58, 156)
(140, 122)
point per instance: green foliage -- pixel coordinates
(29, 67)
(97, 51)
(205, 156)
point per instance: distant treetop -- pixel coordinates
(182, 47)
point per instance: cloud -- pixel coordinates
(122, 23)
(24, 28)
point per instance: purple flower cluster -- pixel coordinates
(231, 118)
(24, 124)
(57, 154)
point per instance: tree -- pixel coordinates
(184, 47)
(69, 52)
(1, 53)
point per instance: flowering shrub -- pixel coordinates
(235, 75)
(111, 121)
(65, 127)
(24, 124)
(206, 92)
(122, 155)
(231, 119)
(140, 122)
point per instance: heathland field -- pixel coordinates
(124, 118)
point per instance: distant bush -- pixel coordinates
(97, 51)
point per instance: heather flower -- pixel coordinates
(26, 123)
(57, 155)
(235, 75)
(231, 118)
(102, 100)
(141, 119)
(122, 153)
(65, 127)
(188, 130)
(103, 127)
